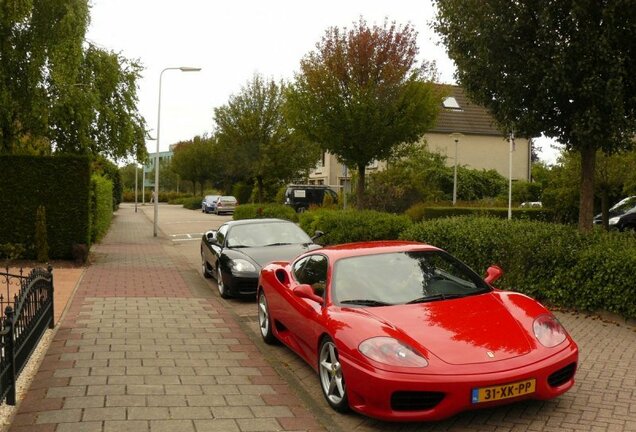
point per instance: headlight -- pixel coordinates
(614, 220)
(548, 330)
(242, 266)
(392, 352)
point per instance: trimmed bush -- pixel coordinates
(59, 183)
(345, 226)
(423, 211)
(101, 206)
(553, 263)
(258, 211)
(41, 242)
(192, 203)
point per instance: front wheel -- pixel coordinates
(265, 319)
(332, 381)
(220, 284)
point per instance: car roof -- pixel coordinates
(374, 247)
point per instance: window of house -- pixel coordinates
(451, 103)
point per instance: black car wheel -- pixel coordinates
(219, 283)
(265, 319)
(332, 381)
(204, 267)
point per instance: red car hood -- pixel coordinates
(475, 329)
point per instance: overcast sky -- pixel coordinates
(231, 41)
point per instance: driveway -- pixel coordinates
(603, 398)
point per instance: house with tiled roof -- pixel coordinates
(463, 128)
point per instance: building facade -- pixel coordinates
(464, 132)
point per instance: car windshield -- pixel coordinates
(624, 206)
(211, 198)
(228, 199)
(403, 277)
(266, 234)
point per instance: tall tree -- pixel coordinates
(253, 129)
(360, 94)
(194, 161)
(58, 93)
(564, 68)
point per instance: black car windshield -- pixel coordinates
(403, 277)
(623, 206)
(266, 234)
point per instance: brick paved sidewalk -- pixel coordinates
(141, 350)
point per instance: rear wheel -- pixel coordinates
(219, 283)
(265, 319)
(332, 381)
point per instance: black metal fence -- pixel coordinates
(28, 312)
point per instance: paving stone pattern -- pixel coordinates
(137, 351)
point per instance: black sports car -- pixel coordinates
(235, 253)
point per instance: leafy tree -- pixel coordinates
(360, 94)
(59, 93)
(194, 161)
(561, 68)
(257, 140)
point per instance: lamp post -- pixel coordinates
(511, 143)
(156, 200)
(136, 166)
(456, 137)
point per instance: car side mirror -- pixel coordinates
(307, 292)
(211, 236)
(493, 273)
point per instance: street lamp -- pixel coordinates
(156, 200)
(511, 144)
(456, 137)
(136, 166)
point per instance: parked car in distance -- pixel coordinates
(235, 253)
(208, 205)
(404, 331)
(225, 204)
(300, 197)
(622, 215)
(531, 204)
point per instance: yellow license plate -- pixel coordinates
(505, 391)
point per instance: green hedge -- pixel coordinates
(423, 211)
(344, 226)
(550, 262)
(101, 206)
(59, 183)
(254, 211)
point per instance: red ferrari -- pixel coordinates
(404, 331)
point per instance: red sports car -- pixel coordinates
(404, 331)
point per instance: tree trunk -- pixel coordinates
(259, 184)
(360, 204)
(605, 209)
(586, 205)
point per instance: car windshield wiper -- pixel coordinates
(239, 246)
(436, 297)
(278, 244)
(366, 302)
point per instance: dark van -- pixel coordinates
(300, 197)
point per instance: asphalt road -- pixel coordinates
(603, 398)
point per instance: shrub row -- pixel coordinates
(422, 211)
(553, 263)
(257, 211)
(61, 184)
(344, 226)
(101, 206)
